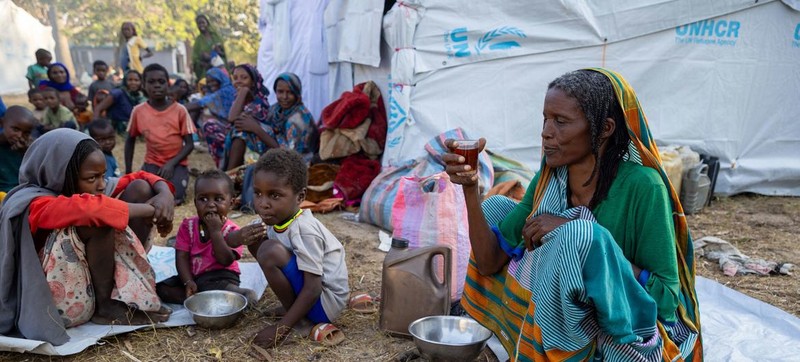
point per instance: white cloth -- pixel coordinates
(353, 31)
(276, 12)
(307, 54)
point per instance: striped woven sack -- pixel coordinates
(431, 211)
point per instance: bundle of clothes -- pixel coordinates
(352, 137)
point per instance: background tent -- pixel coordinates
(292, 40)
(21, 35)
(718, 76)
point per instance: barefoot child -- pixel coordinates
(202, 256)
(36, 98)
(56, 115)
(15, 136)
(303, 262)
(37, 72)
(101, 130)
(167, 129)
(100, 70)
(131, 47)
(82, 114)
(69, 237)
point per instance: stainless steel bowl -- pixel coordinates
(215, 309)
(449, 338)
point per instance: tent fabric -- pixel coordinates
(21, 35)
(307, 54)
(495, 32)
(716, 76)
(353, 31)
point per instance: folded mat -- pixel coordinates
(83, 336)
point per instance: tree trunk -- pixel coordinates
(63, 54)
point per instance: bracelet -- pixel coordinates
(187, 282)
(644, 276)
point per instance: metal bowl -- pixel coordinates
(215, 309)
(449, 338)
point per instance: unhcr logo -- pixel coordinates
(458, 45)
(796, 41)
(718, 32)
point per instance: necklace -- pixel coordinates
(282, 227)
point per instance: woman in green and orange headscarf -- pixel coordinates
(208, 49)
(596, 261)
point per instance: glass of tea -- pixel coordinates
(468, 149)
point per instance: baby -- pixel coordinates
(202, 255)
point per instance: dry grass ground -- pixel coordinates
(763, 227)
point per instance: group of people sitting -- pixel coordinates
(90, 278)
(68, 167)
(595, 261)
(234, 117)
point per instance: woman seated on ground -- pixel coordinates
(71, 242)
(119, 104)
(180, 91)
(292, 125)
(596, 261)
(251, 135)
(217, 102)
(58, 78)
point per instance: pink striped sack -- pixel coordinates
(431, 211)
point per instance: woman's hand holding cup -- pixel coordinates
(462, 161)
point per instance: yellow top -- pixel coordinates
(136, 43)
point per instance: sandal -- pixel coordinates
(327, 334)
(363, 303)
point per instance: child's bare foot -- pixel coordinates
(116, 312)
(271, 336)
(250, 294)
(287, 336)
(275, 312)
(161, 315)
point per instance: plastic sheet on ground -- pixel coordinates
(88, 334)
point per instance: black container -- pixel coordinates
(713, 170)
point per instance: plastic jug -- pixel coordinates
(673, 166)
(410, 288)
(694, 191)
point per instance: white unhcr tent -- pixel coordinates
(21, 35)
(719, 76)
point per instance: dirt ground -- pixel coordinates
(763, 227)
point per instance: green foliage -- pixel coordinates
(160, 22)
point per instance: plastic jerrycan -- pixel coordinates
(694, 191)
(410, 287)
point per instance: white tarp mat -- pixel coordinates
(88, 334)
(735, 327)
(21, 35)
(724, 85)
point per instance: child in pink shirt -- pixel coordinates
(202, 255)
